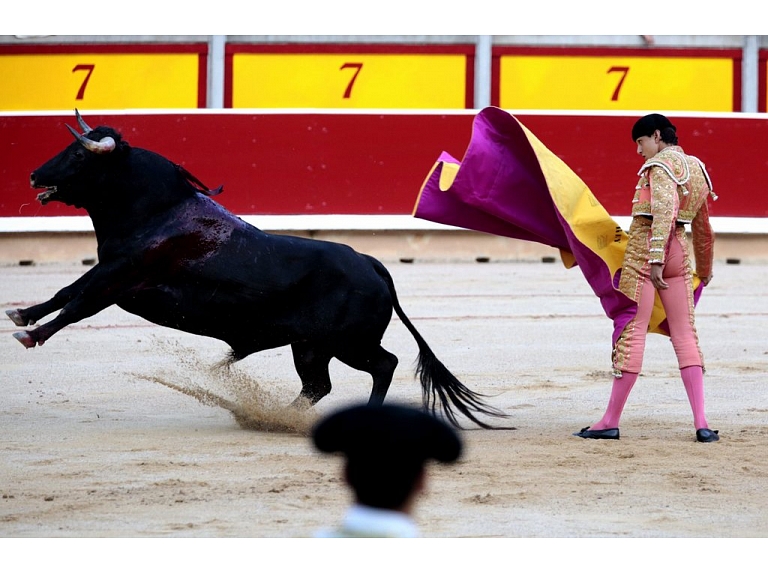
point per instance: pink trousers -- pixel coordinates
(678, 304)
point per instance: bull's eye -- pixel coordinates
(79, 155)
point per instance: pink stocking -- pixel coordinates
(622, 386)
(693, 379)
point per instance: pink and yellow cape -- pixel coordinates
(510, 184)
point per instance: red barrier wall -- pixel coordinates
(375, 163)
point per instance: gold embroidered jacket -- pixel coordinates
(673, 190)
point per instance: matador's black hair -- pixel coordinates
(647, 125)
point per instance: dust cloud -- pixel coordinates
(223, 384)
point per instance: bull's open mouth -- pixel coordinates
(45, 197)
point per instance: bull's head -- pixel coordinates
(73, 174)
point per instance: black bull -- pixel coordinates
(170, 254)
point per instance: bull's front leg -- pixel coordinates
(103, 289)
(32, 314)
(69, 314)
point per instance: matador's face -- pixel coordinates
(649, 146)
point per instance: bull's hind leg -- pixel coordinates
(311, 363)
(374, 360)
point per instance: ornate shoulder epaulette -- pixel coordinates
(706, 176)
(672, 162)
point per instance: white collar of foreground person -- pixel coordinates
(363, 521)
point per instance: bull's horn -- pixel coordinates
(83, 126)
(106, 144)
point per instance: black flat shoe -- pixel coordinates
(612, 433)
(705, 435)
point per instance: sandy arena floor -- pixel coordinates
(108, 429)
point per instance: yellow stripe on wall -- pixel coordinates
(349, 81)
(616, 83)
(98, 81)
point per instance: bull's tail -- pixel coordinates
(440, 389)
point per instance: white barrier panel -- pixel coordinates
(347, 222)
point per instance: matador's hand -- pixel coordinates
(656, 276)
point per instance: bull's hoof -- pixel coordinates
(15, 316)
(25, 339)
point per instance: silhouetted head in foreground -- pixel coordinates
(386, 448)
